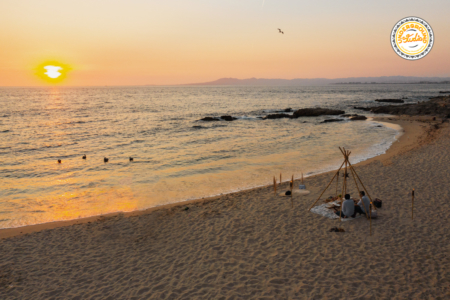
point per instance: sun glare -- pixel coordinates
(52, 72)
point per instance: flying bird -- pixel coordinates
(279, 30)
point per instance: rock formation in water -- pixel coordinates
(358, 118)
(224, 118)
(332, 120)
(209, 119)
(315, 112)
(438, 106)
(278, 116)
(228, 118)
(391, 100)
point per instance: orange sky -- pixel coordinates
(137, 42)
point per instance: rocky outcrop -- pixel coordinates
(358, 118)
(228, 118)
(224, 118)
(315, 112)
(209, 119)
(438, 106)
(391, 100)
(332, 120)
(278, 116)
(444, 92)
(306, 112)
(362, 108)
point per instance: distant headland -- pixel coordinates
(326, 81)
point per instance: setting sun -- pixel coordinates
(52, 71)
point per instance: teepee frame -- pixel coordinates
(347, 167)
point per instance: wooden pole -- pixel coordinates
(327, 186)
(274, 185)
(302, 177)
(371, 202)
(280, 179)
(354, 178)
(292, 185)
(359, 179)
(337, 184)
(343, 184)
(412, 205)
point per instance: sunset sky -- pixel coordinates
(136, 42)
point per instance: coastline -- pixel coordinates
(414, 134)
(255, 244)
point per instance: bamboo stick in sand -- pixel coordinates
(274, 185)
(291, 184)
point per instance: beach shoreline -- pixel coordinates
(414, 134)
(256, 244)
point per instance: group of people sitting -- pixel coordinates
(351, 207)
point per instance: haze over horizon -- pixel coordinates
(180, 42)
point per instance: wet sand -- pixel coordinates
(252, 244)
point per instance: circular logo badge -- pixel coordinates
(412, 38)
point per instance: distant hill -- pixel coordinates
(325, 81)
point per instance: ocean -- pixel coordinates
(176, 157)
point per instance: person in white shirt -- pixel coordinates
(363, 205)
(348, 208)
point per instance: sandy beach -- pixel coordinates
(252, 244)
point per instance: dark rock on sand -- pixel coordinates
(315, 112)
(228, 118)
(348, 115)
(391, 100)
(358, 118)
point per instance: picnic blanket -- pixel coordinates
(329, 213)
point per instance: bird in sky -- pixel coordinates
(279, 30)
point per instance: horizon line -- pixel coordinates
(235, 78)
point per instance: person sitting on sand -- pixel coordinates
(363, 205)
(348, 208)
